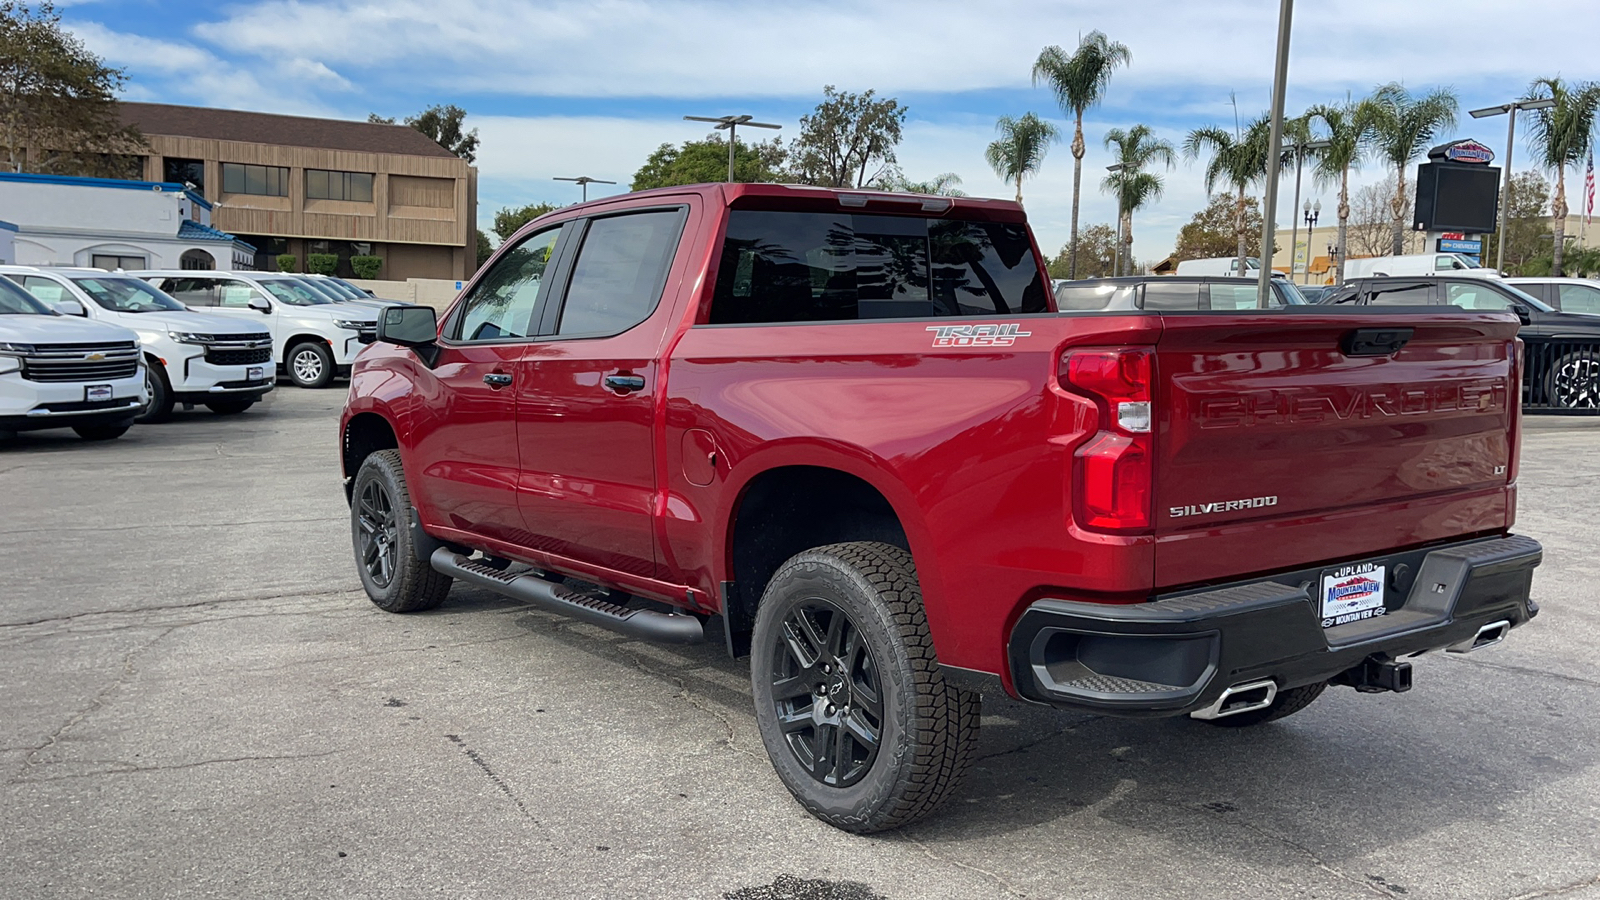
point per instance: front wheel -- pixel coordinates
(310, 364)
(159, 409)
(380, 530)
(855, 715)
(1574, 381)
(100, 432)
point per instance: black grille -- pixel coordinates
(50, 370)
(87, 405)
(367, 337)
(229, 356)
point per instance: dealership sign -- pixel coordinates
(1468, 151)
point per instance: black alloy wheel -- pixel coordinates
(376, 546)
(827, 693)
(1575, 381)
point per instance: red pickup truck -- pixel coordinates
(852, 427)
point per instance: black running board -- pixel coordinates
(647, 624)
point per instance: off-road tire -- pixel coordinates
(301, 369)
(229, 407)
(928, 728)
(1287, 703)
(1573, 381)
(101, 432)
(412, 584)
(159, 409)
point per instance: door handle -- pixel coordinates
(624, 384)
(497, 379)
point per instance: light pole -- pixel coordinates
(1116, 252)
(1505, 187)
(730, 124)
(1299, 149)
(1313, 212)
(584, 181)
(1280, 78)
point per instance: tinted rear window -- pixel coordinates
(818, 267)
(1080, 297)
(1172, 296)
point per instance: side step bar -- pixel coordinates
(670, 628)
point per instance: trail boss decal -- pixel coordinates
(1352, 593)
(1221, 506)
(977, 335)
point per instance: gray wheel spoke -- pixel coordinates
(802, 654)
(789, 688)
(865, 733)
(794, 720)
(822, 744)
(841, 754)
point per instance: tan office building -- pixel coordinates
(297, 185)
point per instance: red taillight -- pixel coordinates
(1114, 471)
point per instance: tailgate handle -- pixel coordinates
(1375, 341)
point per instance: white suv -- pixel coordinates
(189, 357)
(313, 338)
(63, 372)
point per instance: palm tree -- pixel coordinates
(1401, 128)
(1131, 184)
(1344, 127)
(1079, 82)
(1236, 159)
(1562, 136)
(1020, 150)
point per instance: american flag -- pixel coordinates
(1588, 190)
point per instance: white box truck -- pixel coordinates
(1415, 264)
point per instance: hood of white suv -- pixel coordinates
(197, 322)
(27, 329)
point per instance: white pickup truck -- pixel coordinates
(63, 372)
(190, 357)
(313, 338)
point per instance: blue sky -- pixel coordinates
(590, 87)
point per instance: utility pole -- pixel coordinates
(1280, 78)
(584, 181)
(1505, 185)
(731, 125)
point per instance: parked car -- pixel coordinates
(347, 291)
(853, 426)
(321, 285)
(1415, 264)
(1569, 295)
(1219, 265)
(1171, 292)
(217, 361)
(1313, 293)
(59, 371)
(314, 339)
(1562, 366)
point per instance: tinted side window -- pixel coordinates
(1077, 298)
(190, 291)
(984, 269)
(620, 272)
(1239, 296)
(1473, 296)
(1579, 298)
(505, 302)
(1402, 295)
(1171, 296)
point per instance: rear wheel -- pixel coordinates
(1574, 381)
(229, 407)
(1287, 703)
(159, 409)
(855, 715)
(100, 432)
(310, 364)
(380, 530)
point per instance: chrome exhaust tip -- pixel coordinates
(1241, 698)
(1487, 636)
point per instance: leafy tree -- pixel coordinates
(1097, 249)
(1527, 224)
(58, 99)
(375, 119)
(1079, 82)
(1562, 136)
(1133, 187)
(703, 162)
(1344, 126)
(946, 184)
(1240, 160)
(443, 124)
(485, 249)
(1021, 148)
(1401, 128)
(509, 220)
(845, 137)
(1214, 231)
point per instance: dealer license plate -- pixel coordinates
(1352, 593)
(96, 392)
(254, 373)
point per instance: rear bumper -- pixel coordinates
(1178, 654)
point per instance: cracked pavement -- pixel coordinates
(196, 700)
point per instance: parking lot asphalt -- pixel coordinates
(196, 700)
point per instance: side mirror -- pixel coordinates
(259, 304)
(408, 326)
(70, 308)
(1522, 313)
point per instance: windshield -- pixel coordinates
(1292, 293)
(316, 286)
(345, 291)
(1528, 298)
(128, 295)
(15, 301)
(293, 292)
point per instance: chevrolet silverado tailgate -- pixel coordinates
(1294, 437)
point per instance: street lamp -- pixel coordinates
(1299, 149)
(1511, 133)
(584, 181)
(1313, 212)
(1116, 251)
(730, 124)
